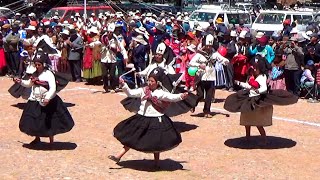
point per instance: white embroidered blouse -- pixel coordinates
(39, 93)
(146, 107)
(262, 80)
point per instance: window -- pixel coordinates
(235, 18)
(102, 11)
(67, 16)
(306, 19)
(302, 19)
(6, 13)
(52, 12)
(288, 17)
(202, 16)
(270, 18)
(221, 15)
(317, 18)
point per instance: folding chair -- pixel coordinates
(306, 91)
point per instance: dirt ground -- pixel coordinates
(211, 148)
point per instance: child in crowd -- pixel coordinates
(307, 79)
(190, 85)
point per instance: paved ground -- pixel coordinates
(211, 148)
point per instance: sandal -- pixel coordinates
(113, 158)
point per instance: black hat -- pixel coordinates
(157, 73)
(41, 57)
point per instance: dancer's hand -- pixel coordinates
(45, 102)
(34, 79)
(137, 74)
(121, 81)
(202, 66)
(237, 82)
(17, 80)
(184, 95)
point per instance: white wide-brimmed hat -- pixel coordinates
(55, 17)
(259, 35)
(65, 23)
(141, 30)
(199, 28)
(66, 32)
(192, 48)
(94, 30)
(30, 28)
(32, 14)
(140, 40)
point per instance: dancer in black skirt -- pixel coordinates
(45, 115)
(26, 69)
(150, 130)
(256, 102)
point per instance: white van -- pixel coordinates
(271, 21)
(6, 13)
(244, 6)
(317, 17)
(203, 15)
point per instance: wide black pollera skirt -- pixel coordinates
(148, 134)
(45, 121)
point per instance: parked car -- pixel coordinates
(229, 16)
(65, 13)
(271, 21)
(6, 14)
(317, 17)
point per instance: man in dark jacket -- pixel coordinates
(139, 52)
(11, 46)
(232, 50)
(313, 49)
(286, 27)
(221, 27)
(159, 36)
(75, 55)
(294, 61)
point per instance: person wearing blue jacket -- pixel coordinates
(159, 36)
(263, 48)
